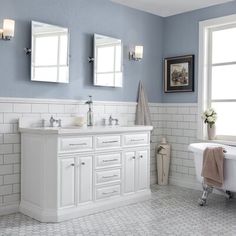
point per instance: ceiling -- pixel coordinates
(169, 7)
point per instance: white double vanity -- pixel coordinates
(71, 172)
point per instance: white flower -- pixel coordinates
(209, 112)
(214, 116)
(209, 116)
(210, 119)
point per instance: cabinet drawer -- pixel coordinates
(72, 144)
(106, 160)
(135, 139)
(106, 192)
(107, 176)
(107, 141)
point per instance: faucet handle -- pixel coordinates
(110, 120)
(59, 123)
(117, 121)
(51, 121)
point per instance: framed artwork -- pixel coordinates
(179, 74)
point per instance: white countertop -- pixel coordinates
(85, 130)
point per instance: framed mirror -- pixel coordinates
(108, 61)
(49, 53)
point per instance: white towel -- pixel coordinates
(143, 116)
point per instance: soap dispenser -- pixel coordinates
(90, 112)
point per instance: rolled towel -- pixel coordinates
(213, 166)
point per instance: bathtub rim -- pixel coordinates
(200, 147)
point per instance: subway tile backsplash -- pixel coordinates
(176, 122)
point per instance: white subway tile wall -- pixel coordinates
(179, 126)
(177, 122)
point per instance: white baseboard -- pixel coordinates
(63, 214)
(153, 180)
(9, 209)
(192, 184)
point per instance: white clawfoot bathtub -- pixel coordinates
(229, 168)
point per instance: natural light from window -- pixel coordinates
(222, 78)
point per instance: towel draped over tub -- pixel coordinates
(213, 166)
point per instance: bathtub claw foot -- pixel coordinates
(201, 202)
(229, 194)
(206, 191)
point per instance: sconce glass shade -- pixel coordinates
(138, 52)
(8, 28)
(1, 33)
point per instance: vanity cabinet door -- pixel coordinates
(85, 179)
(129, 172)
(136, 171)
(142, 170)
(67, 169)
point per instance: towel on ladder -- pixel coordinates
(143, 116)
(213, 166)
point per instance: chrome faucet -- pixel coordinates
(53, 121)
(90, 112)
(111, 121)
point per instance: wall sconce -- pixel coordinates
(137, 55)
(7, 32)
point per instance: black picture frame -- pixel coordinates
(179, 74)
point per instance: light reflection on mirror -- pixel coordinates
(49, 58)
(108, 61)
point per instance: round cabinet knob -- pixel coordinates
(141, 156)
(83, 163)
(133, 157)
(72, 164)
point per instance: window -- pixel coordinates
(217, 74)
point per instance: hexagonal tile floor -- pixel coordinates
(171, 211)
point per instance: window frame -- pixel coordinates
(205, 70)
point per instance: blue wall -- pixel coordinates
(161, 37)
(83, 18)
(181, 37)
